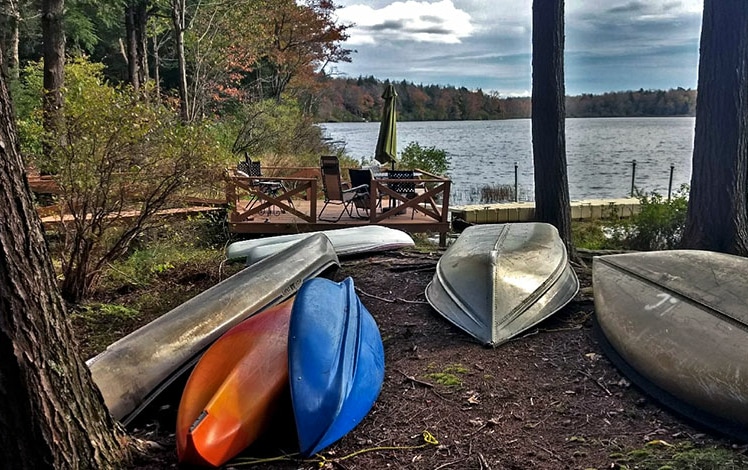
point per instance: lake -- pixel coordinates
(599, 153)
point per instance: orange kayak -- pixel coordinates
(234, 389)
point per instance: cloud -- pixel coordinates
(405, 21)
(610, 45)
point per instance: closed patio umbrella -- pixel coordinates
(387, 142)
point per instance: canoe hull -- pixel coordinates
(678, 322)
(231, 395)
(498, 280)
(346, 242)
(132, 371)
(336, 362)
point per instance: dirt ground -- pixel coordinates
(547, 400)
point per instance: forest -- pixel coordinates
(349, 99)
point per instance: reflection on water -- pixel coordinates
(599, 153)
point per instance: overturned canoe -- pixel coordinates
(335, 362)
(498, 280)
(234, 390)
(345, 241)
(136, 368)
(676, 323)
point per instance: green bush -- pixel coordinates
(115, 155)
(429, 159)
(659, 224)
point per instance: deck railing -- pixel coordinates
(257, 202)
(432, 197)
(247, 200)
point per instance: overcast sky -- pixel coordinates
(611, 45)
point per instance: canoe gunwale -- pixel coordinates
(694, 414)
(682, 347)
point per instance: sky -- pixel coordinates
(611, 45)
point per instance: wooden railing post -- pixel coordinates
(313, 201)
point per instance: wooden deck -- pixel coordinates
(254, 212)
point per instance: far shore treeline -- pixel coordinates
(358, 99)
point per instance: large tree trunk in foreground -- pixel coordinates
(717, 209)
(51, 413)
(548, 119)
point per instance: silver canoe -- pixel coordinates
(676, 322)
(133, 370)
(498, 280)
(346, 241)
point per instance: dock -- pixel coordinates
(525, 211)
(297, 207)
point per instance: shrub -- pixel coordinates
(491, 193)
(429, 159)
(118, 161)
(659, 224)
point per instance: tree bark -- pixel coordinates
(136, 20)
(132, 47)
(53, 37)
(717, 217)
(548, 119)
(51, 413)
(10, 17)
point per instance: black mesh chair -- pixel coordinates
(250, 169)
(405, 188)
(361, 177)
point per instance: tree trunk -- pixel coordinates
(178, 12)
(141, 28)
(51, 413)
(717, 209)
(548, 119)
(136, 21)
(10, 17)
(157, 63)
(53, 38)
(132, 46)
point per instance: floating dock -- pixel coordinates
(525, 211)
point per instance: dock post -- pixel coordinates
(516, 188)
(633, 176)
(670, 183)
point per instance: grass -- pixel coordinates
(660, 455)
(448, 376)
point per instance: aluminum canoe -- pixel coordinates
(235, 389)
(335, 362)
(676, 323)
(136, 368)
(497, 280)
(346, 241)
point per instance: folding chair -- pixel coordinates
(335, 192)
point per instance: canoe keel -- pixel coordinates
(336, 362)
(498, 280)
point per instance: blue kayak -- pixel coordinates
(335, 362)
